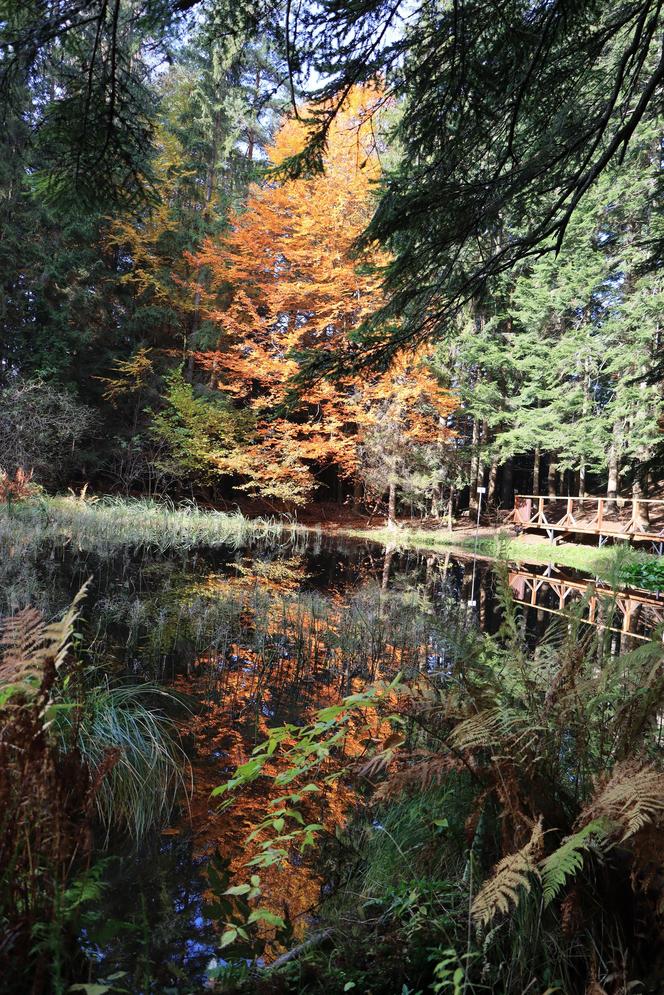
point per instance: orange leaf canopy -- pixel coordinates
(294, 284)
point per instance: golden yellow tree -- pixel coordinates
(295, 285)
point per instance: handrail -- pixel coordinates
(564, 497)
(617, 518)
(584, 621)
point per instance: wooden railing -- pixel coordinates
(550, 590)
(625, 518)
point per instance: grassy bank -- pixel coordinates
(104, 524)
(112, 522)
(591, 559)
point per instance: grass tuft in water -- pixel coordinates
(121, 733)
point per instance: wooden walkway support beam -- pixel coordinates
(533, 589)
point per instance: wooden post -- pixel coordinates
(628, 612)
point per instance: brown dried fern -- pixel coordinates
(21, 636)
(427, 771)
(511, 876)
(633, 797)
(29, 644)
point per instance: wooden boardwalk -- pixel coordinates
(637, 521)
(629, 611)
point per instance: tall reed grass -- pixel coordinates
(109, 523)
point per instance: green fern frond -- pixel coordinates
(567, 860)
(491, 727)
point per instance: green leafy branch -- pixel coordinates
(304, 750)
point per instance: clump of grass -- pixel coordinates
(411, 835)
(145, 775)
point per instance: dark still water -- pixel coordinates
(247, 639)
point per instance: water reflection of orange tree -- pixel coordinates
(304, 795)
(295, 667)
(369, 632)
(230, 727)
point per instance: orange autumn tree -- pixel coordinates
(293, 286)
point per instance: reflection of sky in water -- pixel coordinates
(156, 897)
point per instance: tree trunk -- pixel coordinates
(357, 494)
(251, 136)
(537, 466)
(552, 476)
(435, 506)
(481, 466)
(392, 506)
(208, 197)
(641, 512)
(614, 473)
(474, 468)
(584, 415)
(491, 485)
(507, 487)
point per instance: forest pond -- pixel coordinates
(246, 638)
